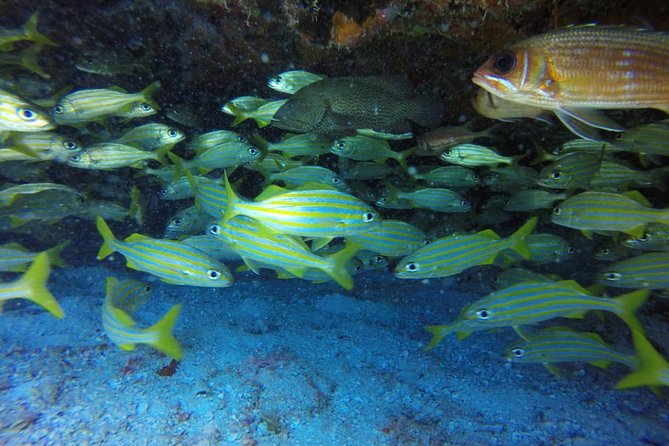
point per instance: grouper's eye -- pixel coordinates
(503, 62)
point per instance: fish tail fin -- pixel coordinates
(338, 262)
(629, 303)
(31, 32)
(519, 236)
(108, 238)
(30, 60)
(239, 113)
(165, 340)
(403, 155)
(147, 94)
(35, 279)
(233, 199)
(425, 111)
(652, 370)
(54, 254)
(438, 333)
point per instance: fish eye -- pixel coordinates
(571, 250)
(518, 352)
(75, 158)
(242, 138)
(557, 150)
(556, 175)
(368, 217)
(620, 136)
(70, 145)
(412, 267)
(379, 259)
(476, 177)
(176, 222)
(358, 267)
(483, 314)
(446, 152)
(464, 204)
(557, 211)
(253, 151)
(58, 109)
(612, 276)
(26, 113)
(276, 80)
(382, 201)
(146, 107)
(213, 274)
(340, 145)
(604, 251)
(172, 133)
(336, 180)
(215, 229)
(503, 62)
(147, 288)
(644, 237)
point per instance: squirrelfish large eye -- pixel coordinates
(503, 62)
(26, 114)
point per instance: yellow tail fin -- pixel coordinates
(34, 280)
(339, 261)
(165, 341)
(653, 369)
(107, 237)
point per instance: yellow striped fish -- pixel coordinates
(260, 247)
(309, 213)
(562, 344)
(153, 136)
(608, 212)
(170, 261)
(528, 303)
(649, 270)
(14, 257)
(38, 146)
(451, 255)
(32, 286)
(472, 155)
(19, 115)
(110, 155)
(290, 82)
(391, 238)
(95, 104)
(121, 301)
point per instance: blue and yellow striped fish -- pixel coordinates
(121, 301)
(608, 212)
(171, 261)
(95, 104)
(562, 344)
(32, 286)
(260, 247)
(527, 303)
(308, 213)
(649, 270)
(391, 238)
(19, 115)
(451, 255)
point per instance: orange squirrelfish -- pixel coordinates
(575, 71)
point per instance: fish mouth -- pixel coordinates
(480, 80)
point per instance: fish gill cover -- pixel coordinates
(510, 157)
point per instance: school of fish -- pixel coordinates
(332, 180)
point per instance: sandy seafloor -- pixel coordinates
(286, 362)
